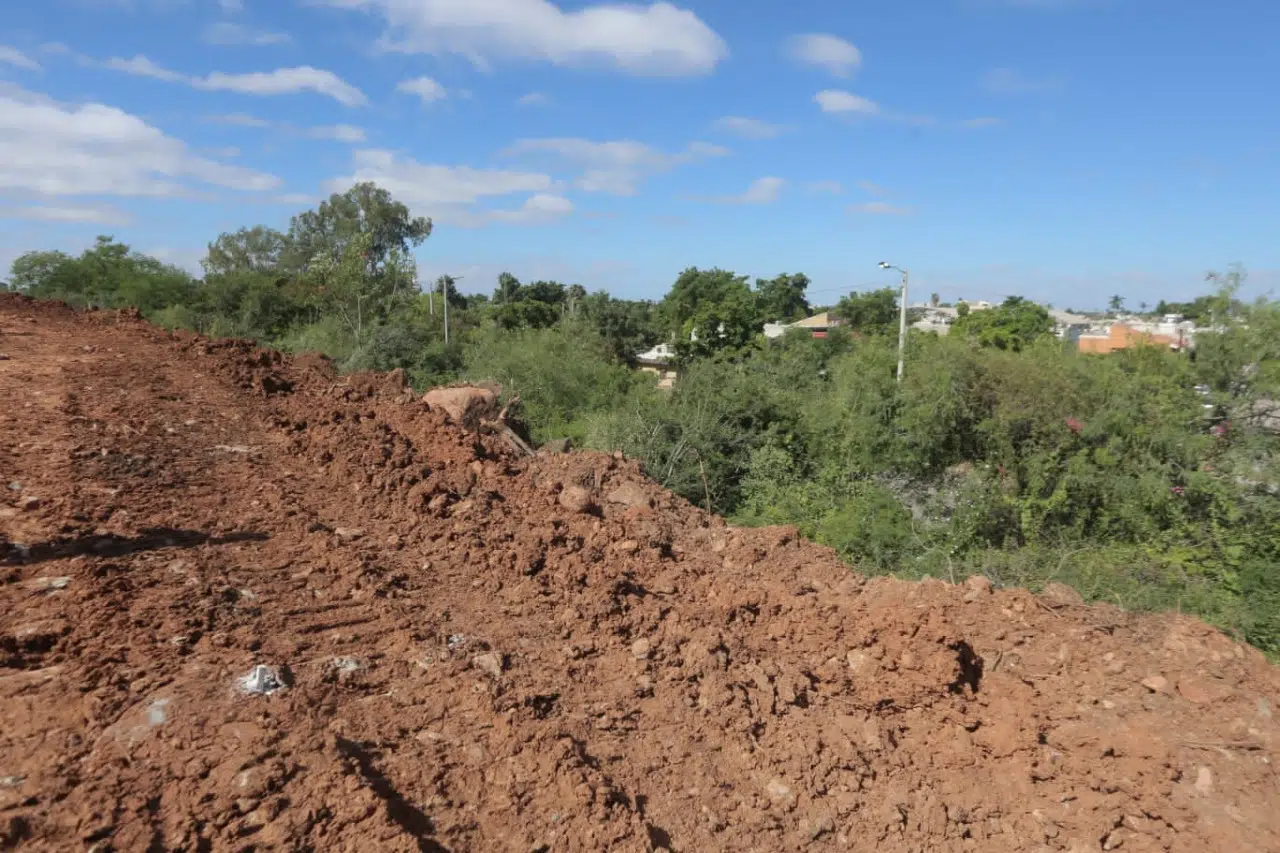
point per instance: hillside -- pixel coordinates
(481, 651)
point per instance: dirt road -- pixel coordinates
(482, 652)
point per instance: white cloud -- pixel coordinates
(231, 6)
(872, 189)
(48, 149)
(537, 210)
(239, 119)
(614, 167)
(761, 191)
(226, 33)
(659, 39)
(836, 101)
(879, 208)
(285, 81)
(281, 81)
(293, 198)
(1010, 81)
(986, 121)
(451, 195)
(828, 187)
(835, 55)
(140, 66)
(15, 57)
(56, 213)
(749, 128)
(224, 153)
(424, 87)
(533, 99)
(336, 132)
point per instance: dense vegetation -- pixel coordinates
(1003, 451)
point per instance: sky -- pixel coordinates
(1063, 150)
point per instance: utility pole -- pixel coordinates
(445, 282)
(902, 318)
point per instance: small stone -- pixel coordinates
(49, 584)
(777, 789)
(490, 663)
(641, 648)
(575, 499)
(1060, 595)
(1204, 781)
(978, 583)
(437, 503)
(348, 534)
(1194, 691)
(344, 667)
(857, 659)
(30, 503)
(1114, 840)
(15, 486)
(816, 827)
(1156, 683)
(261, 680)
(1264, 709)
(630, 494)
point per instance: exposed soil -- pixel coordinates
(487, 652)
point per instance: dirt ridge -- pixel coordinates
(488, 652)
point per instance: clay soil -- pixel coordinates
(488, 652)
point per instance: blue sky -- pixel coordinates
(1060, 149)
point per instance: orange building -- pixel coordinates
(1120, 336)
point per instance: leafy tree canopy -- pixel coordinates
(1012, 325)
(872, 313)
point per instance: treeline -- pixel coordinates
(1145, 478)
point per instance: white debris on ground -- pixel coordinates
(262, 680)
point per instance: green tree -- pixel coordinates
(107, 275)
(872, 313)
(1115, 304)
(727, 326)
(249, 250)
(508, 287)
(365, 210)
(1012, 325)
(628, 327)
(696, 290)
(782, 298)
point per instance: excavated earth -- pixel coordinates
(482, 651)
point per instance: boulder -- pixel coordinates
(466, 405)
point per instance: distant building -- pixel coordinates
(658, 360)
(1131, 333)
(1068, 326)
(936, 319)
(818, 324)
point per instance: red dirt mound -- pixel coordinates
(478, 651)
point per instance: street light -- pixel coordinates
(902, 317)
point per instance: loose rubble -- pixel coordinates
(492, 650)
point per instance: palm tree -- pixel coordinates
(1116, 304)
